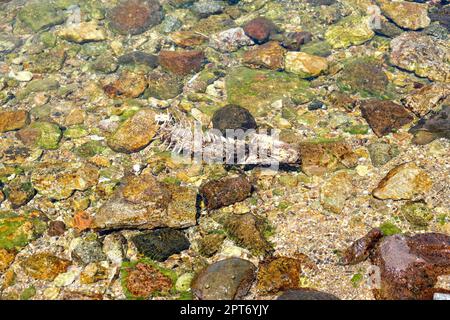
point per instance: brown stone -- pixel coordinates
(361, 248)
(129, 85)
(44, 266)
(56, 228)
(145, 280)
(6, 258)
(269, 55)
(278, 274)
(135, 16)
(385, 116)
(226, 191)
(13, 120)
(319, 158)
(182, 62)
(260, 29)
(425, 99)
(188, 39)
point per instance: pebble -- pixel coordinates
(404, 182)
(233, 117)
(228, 279)
(260, 29)
(226, 191)
(182, 63)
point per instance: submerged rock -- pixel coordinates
(233, 117)
(228, 279)
(305, 65)
(144, 203)
(335, 191)
(182, 63)
(434, 126)
(408, 15)
(319, 158)
(164, 85)
(13, 120)
(135, 16)
(226, 191)
(41, 15)
(404, 182)
(278, 274)
(44, 266)
(425, 99)
(353, 30)
(248, 231)
(256, 90)
(410, 266)
(135, 133)
(260, 29)
(83, 32)
(161, 244)
(381, 153)
(269, 55)
(385, 116)
(426, 56)
(361, 248)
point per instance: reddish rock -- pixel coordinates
(385, 116)
(145, 280)
(182, 62)
(224, 192)
(135, 16)
(410, 266)
(260, 29)
(361, 248)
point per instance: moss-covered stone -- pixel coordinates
(49, 134)
(417, 214)
(352, 30)
(41, 15)
(17, 231)
(256, 90)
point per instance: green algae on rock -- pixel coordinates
(256, 90)
(44, 266)
(16, 231)
(353, 30)
(41, 15)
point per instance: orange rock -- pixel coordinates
(82, 221)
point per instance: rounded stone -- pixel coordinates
(132, 17)
(233, 117)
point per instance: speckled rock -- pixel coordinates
(58, 180)
(336, 190)
(381, 153)
(295, 40)
(6, 259)
(182, 62)
(144, 203)
(226, 191)
(278, 274)
(418, 214)
(20, 192)
(305, 65)
(404, 182)
(306, 294)
(230, 40)
(88, 249)
(128, 85)
(427, 98)
(408, 15)
(227, 279)
(426, 56)
(269, 55)
(13, 120)
(210, 243)
(145, 279)
(205, 8)
(135, 16)
(248, 230)
(410, 266)
(164, 85)
(385, 116)
(260, 29)
(161, 244)
(83, 32)
(135, 133)
(319, 158)
(44, 266)
(56, 228)
(187, 39)
(352, 30)
(233, 117)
